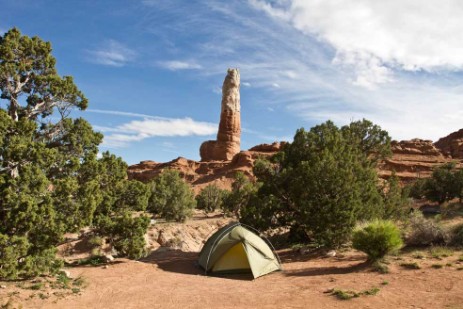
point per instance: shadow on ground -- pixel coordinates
(177, 261)
(332, 270)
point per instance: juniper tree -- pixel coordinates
(51, 180)
(322, 183)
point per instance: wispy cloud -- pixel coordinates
(303, 59)
(111, 53)
(137, 130)
(124, 114)
(175, 65)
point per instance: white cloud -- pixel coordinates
(137, 130)
(333, 76)
(246, 84)
(176, 65)
(112, 53)
(372, 36)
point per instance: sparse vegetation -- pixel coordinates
(437, 266)
(349, 294)
(410, 265)
(440, 252)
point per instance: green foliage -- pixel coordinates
(171, 197)
(445, 184)
(396, 204)
(127, 235)
(28, 71)
(442, 185)
(51, 181)
(418, 188)
(210, 198)
(242, 191)
(377, 239)
(322, 183)
(457, 235)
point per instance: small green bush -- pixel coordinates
(377, 239)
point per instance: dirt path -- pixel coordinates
(169, 279)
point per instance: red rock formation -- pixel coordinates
(227, 144)
(200, 174)
(411, 160)
(452, 145)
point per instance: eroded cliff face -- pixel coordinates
(412, 159)
(452, 145)
(228, 140)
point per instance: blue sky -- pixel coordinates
(153, 69)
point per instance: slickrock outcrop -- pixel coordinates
(412, 159)
(452, 144)
(227, 144)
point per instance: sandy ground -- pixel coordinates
(170, 279)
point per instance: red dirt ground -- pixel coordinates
(170, 279)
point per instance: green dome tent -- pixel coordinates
(236, 249)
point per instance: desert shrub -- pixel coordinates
(457, 235)
(171, 197)
(210, 198)
(377, 239)
(425, 232)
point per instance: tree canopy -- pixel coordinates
(322, 183)
(51, 179)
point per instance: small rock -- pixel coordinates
(67, 273)
(2, 286)
(328, 291)
(331, 253)
(108, 258)
(105, 267)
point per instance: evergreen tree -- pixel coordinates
(171, 197)
(51, 181)
(323, 182)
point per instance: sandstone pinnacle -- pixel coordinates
(228, 140)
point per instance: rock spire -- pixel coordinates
(228, 140)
